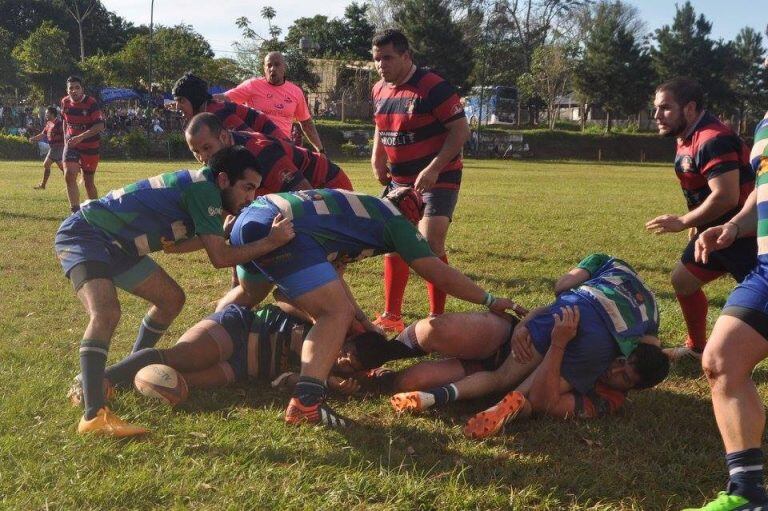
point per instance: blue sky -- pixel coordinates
(217, 25)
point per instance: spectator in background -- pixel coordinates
(53, 134)
(281, 100)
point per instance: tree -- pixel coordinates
(435, 39)
(45, 59)
(358, 32)
(80, 10)
(251, 53)
(615, 71)
(341, 38)
(223, 71)
(685, 48)
(9, 68)
(175, 50)
(551, 73)
(749, 81)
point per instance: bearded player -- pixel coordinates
(712, 164)
(420, 131)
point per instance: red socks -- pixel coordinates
(694, 309)
(436, 297)
(396, 273)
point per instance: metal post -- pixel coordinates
(151, 23)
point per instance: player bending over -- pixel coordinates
(106, 244)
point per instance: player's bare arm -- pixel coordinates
(93, 131)
(379, 161)
(722, 236)
(575, 277)
(545, 389)
(310, 131)
(458, 134)
(223, 255)
(724, 197)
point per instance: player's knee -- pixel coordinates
(174, 302)
(683, 282)
(70, 175)
(105, 317)
(717, 369)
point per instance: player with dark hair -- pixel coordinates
(53, 133)
(191, 96)
(336, 226)
(608, 314)
(712, 164)
(234, 345)
(83, 123)
(739, 341)
(106, 243)
(420, 131)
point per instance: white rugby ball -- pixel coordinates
(162, 382)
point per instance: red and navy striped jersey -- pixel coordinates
(80, 117)
(280, 165)
(710, 150)
(54, 132)
(238, 117)
(411, 120)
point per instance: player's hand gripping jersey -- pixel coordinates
(331, 226)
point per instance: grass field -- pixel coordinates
(518, 226)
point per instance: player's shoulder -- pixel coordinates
(426, 78)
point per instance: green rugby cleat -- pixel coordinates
(727, 502)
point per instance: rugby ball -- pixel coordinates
(162, 382)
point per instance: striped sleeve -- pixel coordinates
(718, 155)
(446, 106)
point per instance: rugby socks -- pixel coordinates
(150, 332)
(396, 273)
(310, 391)
(436, 296)
(93, 359)
(745, 470)
(694, 309)
(439, 396)
(122, 373)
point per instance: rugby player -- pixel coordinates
(605, 337)
(739, 341)
(277, 97)
(420, 131)
(106, 244)
(234, 345)
(284, 167)
(336, 226)
(712, 164)
(191, 96)
(53, 133)
(83, 124)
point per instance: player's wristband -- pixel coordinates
(736, 226)
(489, 299)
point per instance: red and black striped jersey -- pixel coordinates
(238, 117)
(280, 165)
(710, 150)
(80, 117)
(54, 132)
(411, 120)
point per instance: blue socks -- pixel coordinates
(122, 373)
(93, 359)
(149, 333)
(444, 394)
(745, 470)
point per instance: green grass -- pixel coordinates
(518, 226)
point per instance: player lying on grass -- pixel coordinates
(106, 244)
(230, 346)
(335, 225)
(614, 346)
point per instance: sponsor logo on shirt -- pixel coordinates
(411, 105)
(212, 211)
(396, 138)
(279, 106)
(686, 164)
(288, 100)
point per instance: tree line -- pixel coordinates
(599, 52)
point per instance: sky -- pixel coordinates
(217, 25)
